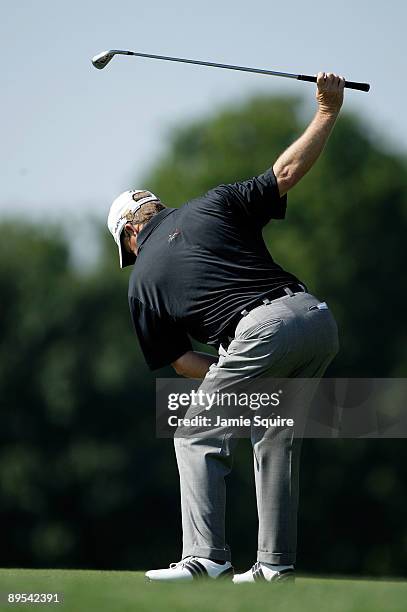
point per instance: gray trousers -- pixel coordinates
(290, 337)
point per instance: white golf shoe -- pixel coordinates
(191, 568)
(265, 572)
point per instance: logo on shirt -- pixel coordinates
(174, 235)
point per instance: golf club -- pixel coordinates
(102, 59)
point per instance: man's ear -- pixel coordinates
(130, 229)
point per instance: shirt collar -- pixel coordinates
(152, 224)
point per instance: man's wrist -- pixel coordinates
(327, 112)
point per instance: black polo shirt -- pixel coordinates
(199, 265)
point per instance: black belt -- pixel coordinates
(288, 289)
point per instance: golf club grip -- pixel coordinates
(348, 84)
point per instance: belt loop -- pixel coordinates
(244, 312)
(288, 291)
(266, 301)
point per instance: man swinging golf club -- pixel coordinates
(203, 270)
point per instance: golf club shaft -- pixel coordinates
(287, 75)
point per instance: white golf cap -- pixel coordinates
(121, 212)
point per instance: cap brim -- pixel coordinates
(126, 259)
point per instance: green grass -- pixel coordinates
(126, 591)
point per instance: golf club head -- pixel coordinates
(102, 59)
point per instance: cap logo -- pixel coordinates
(140, 195)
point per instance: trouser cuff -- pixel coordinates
(221, 554)
(276, 558)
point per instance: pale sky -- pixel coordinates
(73, 137)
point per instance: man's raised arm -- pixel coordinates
(295, 162)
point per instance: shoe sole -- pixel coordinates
(225, 576)
(282, 580)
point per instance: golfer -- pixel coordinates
(203, 271)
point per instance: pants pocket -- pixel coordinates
(259, 329)
(259, 339)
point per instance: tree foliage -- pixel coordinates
(83, 481)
